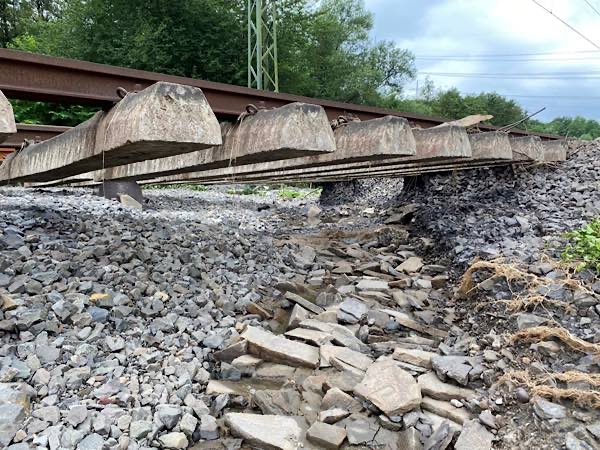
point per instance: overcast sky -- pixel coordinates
(438, 30)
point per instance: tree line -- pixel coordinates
(325, 51)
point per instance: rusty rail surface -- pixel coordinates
(29, 76)
(31, 132)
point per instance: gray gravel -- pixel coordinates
(163, 328)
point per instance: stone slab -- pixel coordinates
(345, 355)
(445, 409)
(431, 386)
(326, 436)
(270, 347)
(7, 119)
(414, 356)
(265, 431)
(390, 388)
(291, 131)
(313, 336)
(474, 436)
(164, 119)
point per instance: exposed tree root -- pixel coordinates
(508, 271)
(538, 386)
(538, 334)
(521, 303)
(530, 299)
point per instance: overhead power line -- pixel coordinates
(483, 59)
(532, 76)
(502, 55)
(592, 7)
(585, 73)
(566, 24)
(559, 97)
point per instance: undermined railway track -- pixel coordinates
(28, 76)
(163, 128)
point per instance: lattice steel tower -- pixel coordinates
(262, 45)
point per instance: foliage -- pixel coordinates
(325, 48)
(569, 126)
(50, 114)
(451, 104)
(248, 190)
(17, 16)
(325, 51)
(188, 186)
(289, 193)
(584, 246)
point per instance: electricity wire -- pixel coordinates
(566, 24)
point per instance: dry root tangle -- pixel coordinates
(539, 334)
(538, 386)
(530, 299)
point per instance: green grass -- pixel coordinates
(191, 187)
(584, 246)
(248, 190)
(289, 193)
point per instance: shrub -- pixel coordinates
(191, 187)
(584, 246)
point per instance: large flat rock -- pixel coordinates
(271, 347)
(433, 387)
(163, 120)
(390, 388)
(474, 436)
(7, 119)
(267, 432)
(292, 131)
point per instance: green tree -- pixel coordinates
(453, 105)
(327, 53)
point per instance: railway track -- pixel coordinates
(29, 76)
(135, 149)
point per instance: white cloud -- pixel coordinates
(475, 27)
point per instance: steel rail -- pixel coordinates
(32, 133)
(29, 76)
